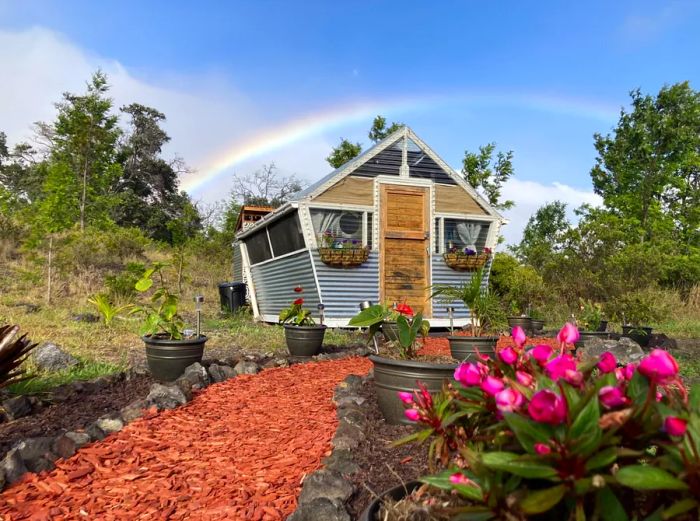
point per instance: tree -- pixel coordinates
(379, 129)
(488, 175)
(648, 169)
(264, 187)
(543, 235)
(19, 174)
(343, 153)
(82, 163)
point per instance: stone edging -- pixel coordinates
(38, 454)
(325, 492)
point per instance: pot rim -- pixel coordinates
(293, 326)
(474, 338)
(397, 492)
(410, 363)
(149, 339)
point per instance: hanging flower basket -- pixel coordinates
(343, 257)
(463, 262)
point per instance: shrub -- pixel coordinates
(121, 286)
(642, 307)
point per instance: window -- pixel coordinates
(286, 235)
(258, 247)
(460, 234)
(335, 227)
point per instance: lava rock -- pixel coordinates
(185, 386)
(13, 466)
(246, 367)
(661, 341)
(110, 424)
(166, 396)
(625, 350)
(221, 373)
(17, 407)
(50, 357)
(79, 438)
(89, 318)
(96, 434)
(65, 446)
(320, 508)
(37, 453)
(325, 484)
(28, 307)
(134, 410)
(347, 436)
(197, 375)
(341, 461)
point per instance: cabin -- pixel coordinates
(383, 227)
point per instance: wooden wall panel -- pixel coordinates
(454, 199)
(349, 190)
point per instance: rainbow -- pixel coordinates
(318, 123)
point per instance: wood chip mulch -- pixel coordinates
(441, 346)
(239, 450)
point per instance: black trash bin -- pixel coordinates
(232, 295)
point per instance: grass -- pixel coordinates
(689, 366)
(38, 382)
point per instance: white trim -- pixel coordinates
(492, 237)
(269, 218)
(403, 171)
(343, 322)
(403, 181)
(278, 258)
(269, 241)
(307, 226)
(318, 284)
(364, 228)
(441, 244)
(249, 276)
(312, 205)
(468, 216)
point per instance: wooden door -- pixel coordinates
(405, 246)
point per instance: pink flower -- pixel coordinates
(508, 355)
(659, 366)
(519, 336)
(611, 397)
(629, 370)
(492, 385)
(675, 426)
(468, 375)
(547, 407)
(541, 353)
(568, 334)
(659, 396)
(460, 479)
(406, 397)
(509, 400)
(557, 367)
(573, 377)
(542, 449)
(607, 362)
(523, 378)
(412, 414)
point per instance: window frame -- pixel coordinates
(440, 218)
(364, 210)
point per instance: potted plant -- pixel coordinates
(341, 252)
(303, 336)
(637, 310)
(537, 320)
(590, 319)
(397, 373)
(168, 350)
(484, 308)
(540, 435)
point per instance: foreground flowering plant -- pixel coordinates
(538, 432)
(296, 313)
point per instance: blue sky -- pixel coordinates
(536, 77)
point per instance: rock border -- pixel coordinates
(325, 492)
(39, 453)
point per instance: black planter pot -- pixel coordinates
(640, 334)
(304, 340)
(465, 348)
(603, 325)
(523, 322)
(397, 493)
(537, 326)
(589, 335)
(392, 376)
(390, 330)
(167, 359)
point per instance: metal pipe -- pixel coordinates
(321, 307)
(198, 300)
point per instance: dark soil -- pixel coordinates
(382, 466)
(74, 408)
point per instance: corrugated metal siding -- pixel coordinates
(343, 289)
(421, 166)
(275, 282)
(387, 162)
(442, 274)
(237, 263)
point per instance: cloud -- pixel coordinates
(530, 195)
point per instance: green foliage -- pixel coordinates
(543, 235)
(344, 152)
(106, 309)
(640, 308)
(590, 314)
(409, 329)
(160, 314)
(121, 286)
(296, 314)
(38, 382)
(488, 174)
(379, 129)
(520, 286)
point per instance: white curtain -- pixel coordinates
(326, 221)
(468, 233)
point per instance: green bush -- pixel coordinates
(643, 307)
(121, 285)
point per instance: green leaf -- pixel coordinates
(143, 284)
(368, 317)
(694, 397)
(638, 388)
(604, 458)
(585, 430)
(679, 507)
(514, 464)
(538, 501)
(471, 492)
(645, 477)
(609, 506)
(418, 437)
(527, 431)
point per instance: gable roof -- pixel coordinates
(348, 168)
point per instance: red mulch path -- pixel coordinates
(238, 451)
(441, 346)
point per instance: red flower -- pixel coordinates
(298, 289)
(405, 309)
(299, 302)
